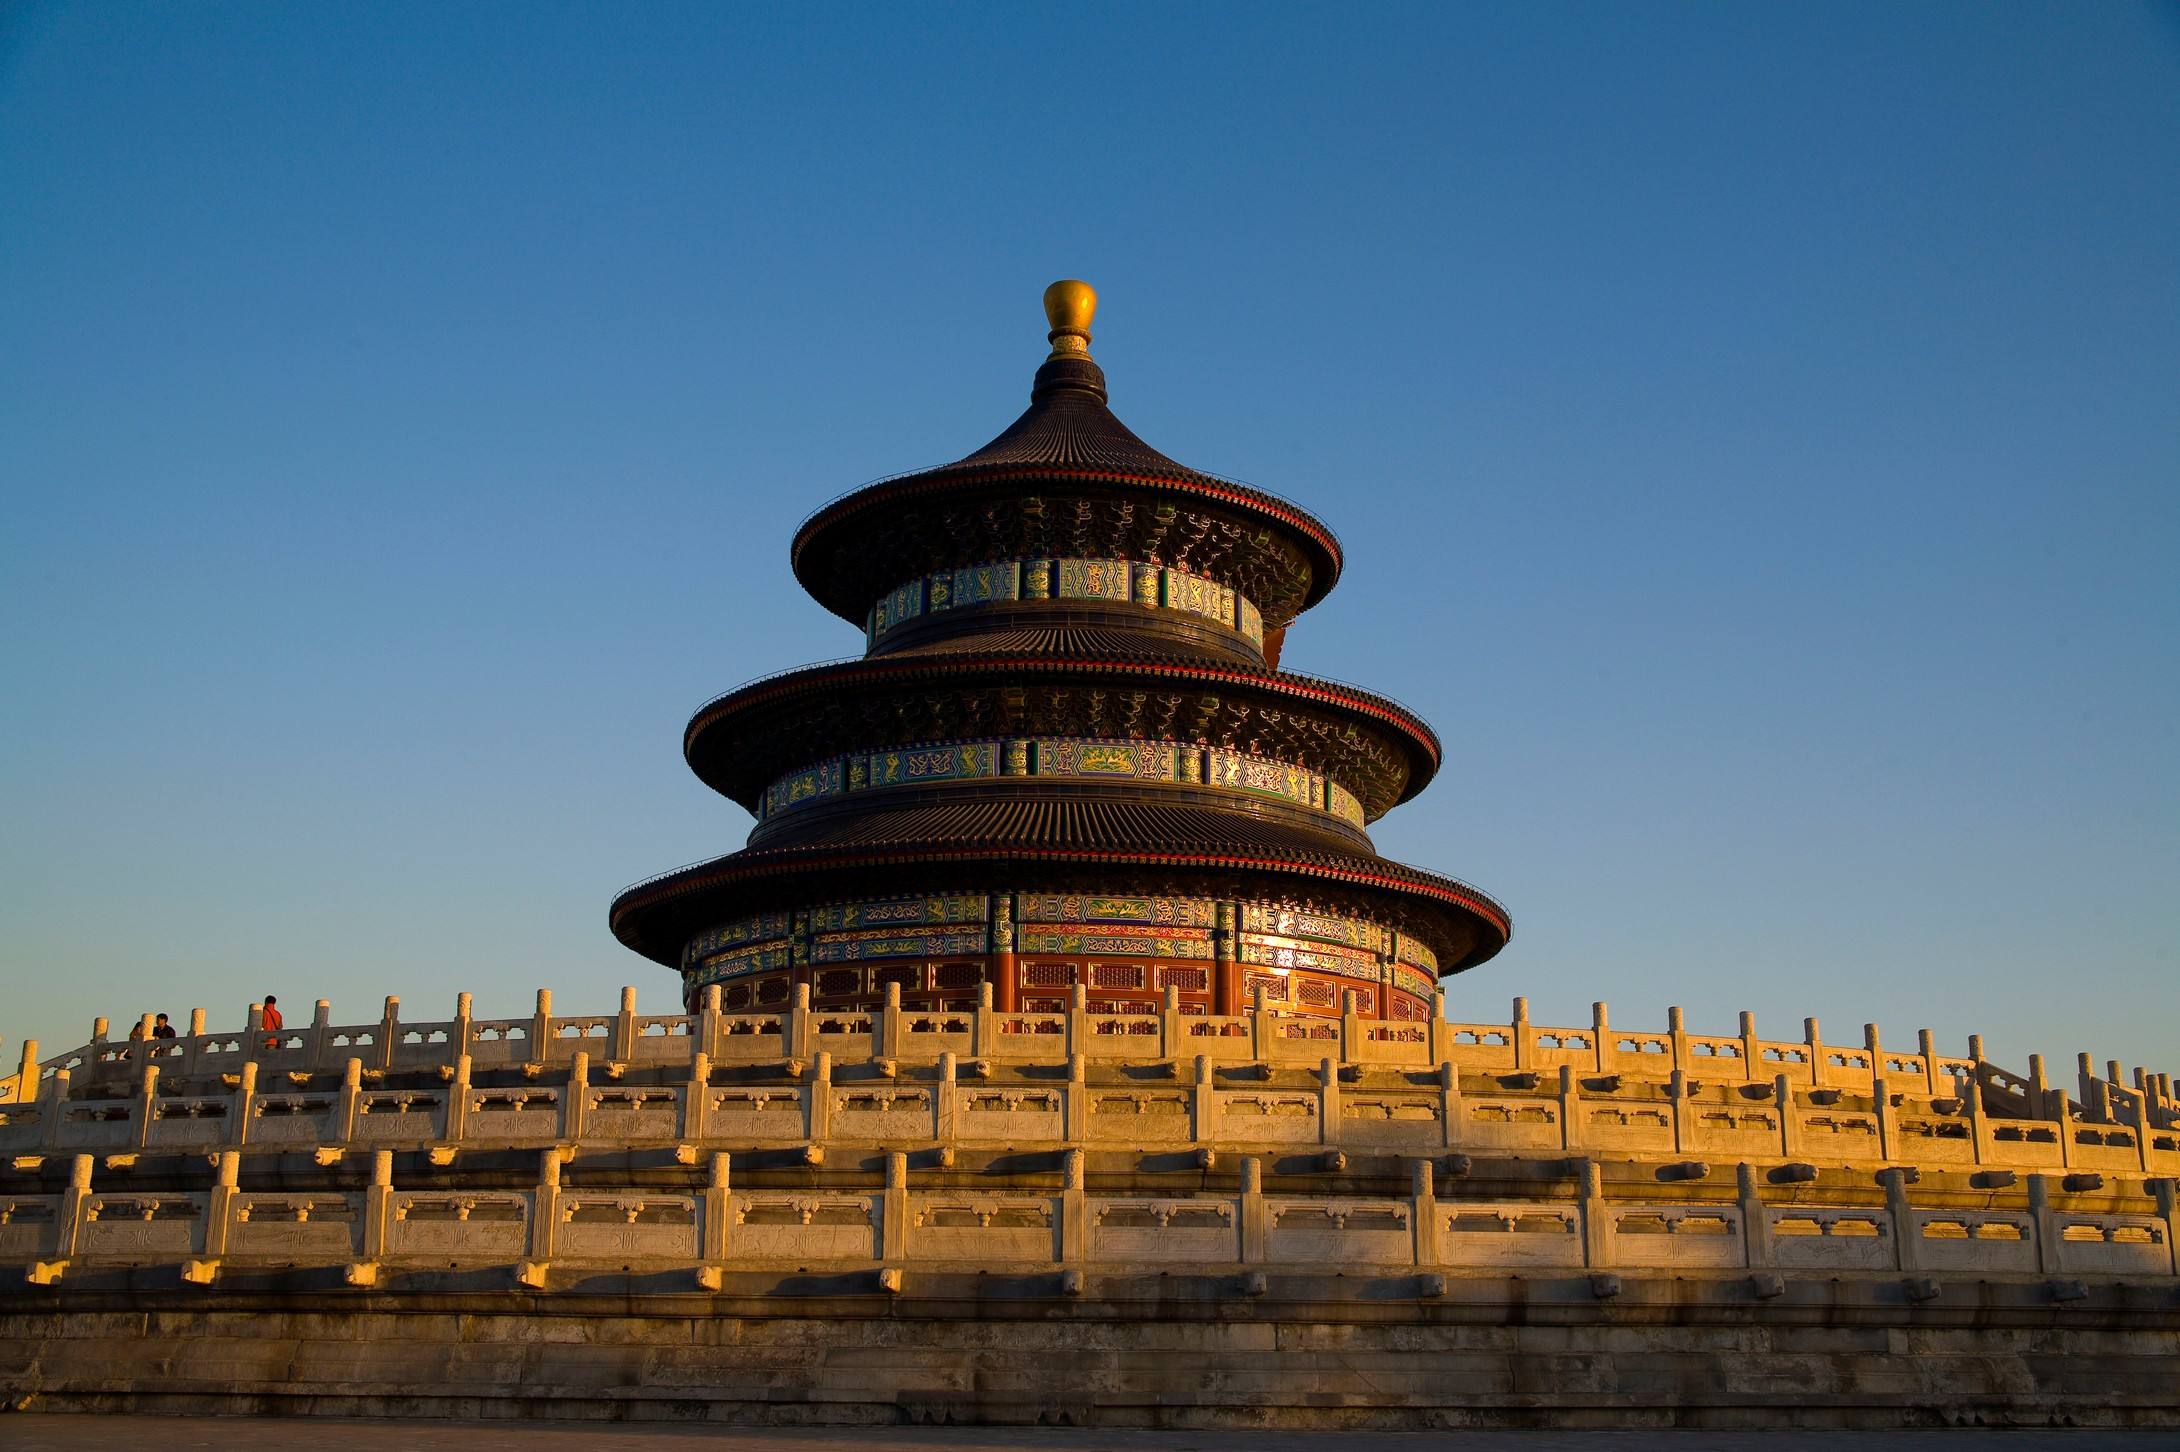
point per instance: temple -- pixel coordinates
(1059, 1050)
(1067, 757)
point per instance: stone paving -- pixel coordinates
(40, 1432)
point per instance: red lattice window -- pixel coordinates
(1116, 975)
(1315, 992)
(736, 996)
(1365, 999)
(1195, 1008)
(957, 975)
(1049, 975)
(835, 981)
(774, 990)
(1188, 980)
(1137, 1005)
(908, 976)
(1275, 987)
(1045, 1005)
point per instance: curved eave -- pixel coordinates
(1424, 750)
(641, 900)
(1317, 538)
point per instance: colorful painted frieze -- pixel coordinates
(915, 942)
(1199, 596)
(762, 928)
(900, 911)
(1276, 952)
(1343, 804)
(1265, 777)
(1092, 580)
(1142, 760)
(1408, 950)
(826, 779)
(1115, 940)
(742, 961)
(1289, 923)
(1249, 620)
(983, 584)
(896, 606)
(950, 762)
(1414, 981)
(1175, 912)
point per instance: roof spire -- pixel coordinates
(1070, 304)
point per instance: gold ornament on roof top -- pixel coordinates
(1070, 304)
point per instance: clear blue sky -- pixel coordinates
(1755, 431)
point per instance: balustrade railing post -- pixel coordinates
(801, 1032)
(1874, 1050)
(1441, 1044)
(718, 1209)
(1078, 1020)
(696, 1099)
(219, 1204)
(194, 1044)
(887, 1032)
(1074, 1211)
(1078, 1098)
(1906, 1236)
(1752, 1051)
(2046, 1223)
(1328, 1101)
(624, 1027)
(1260, 1026)
(1596, 1217)
(1926, 1043)
(147, 1104)
(1601, 1036)
(462, 1042)
(982, 1038)
(818, 1112)
(1450, 1112)
(53, 1097)
(1423, 1212)
(242, 1107)
(318, 1043)
(1813, 1045)
(541, 1028)
(1979, 1127)
(545, 1206)
(455, 1117)
(575, 1097)
(378, 1199)
(1203, 1103)
(1252, 1211)
(1676, 1091)
(1170, 1042)
(946, 1101)
(1570, 1109)
(1523, 1038)
(75, 1209)
(893, 1217)
(26, 1073)
(253, 1031)
(709, 1028)
(351, 1101)
(389, 1032)
(1676, 1029)
(2168, 1210)
(1755, 1220)
(1881, 1109)
(1790, 1129)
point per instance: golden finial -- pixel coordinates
(1069, 306)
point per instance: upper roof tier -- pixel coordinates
(1066, 480)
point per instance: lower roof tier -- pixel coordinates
(663, 917)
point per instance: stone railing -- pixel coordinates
(711, 1227)
(1905, 1104)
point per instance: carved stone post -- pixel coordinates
(818, 1110)
(718, 1211)
(147, 1103)
(1252, 1210)
(1328, 1102)
(219, 1204)
(575, 1097)
(545, 1206)
(75, 1208)
(343, 1128)
(243, 1106)
(1077, 1103)
(1423, 1212)
(1596, 1218)
(1813, 1045)
(1676, 1028)
(1755, 1222)
(1522, 1036)
(1881, 1108)
(1170, 1041)
(462, 1040)
(1351, 1031)
(709, 1030)
(800, 1031)
(893, 1216)
(696, 1098)
(1906, 1236)
(1790, 1129)
(389, 1032)
(458, 1097)
(1752, 1053)
(541, 1028)
(888, 1037)
(2046, 1223)
(1203, 1122)
(1608, 1052)
(624, 1027)
(318, 1044)
(946, 1102)
(1074, 1211)
(1570, 1109)
(378, 1201)
(1450, 1112)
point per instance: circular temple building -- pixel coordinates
(1067, 758)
